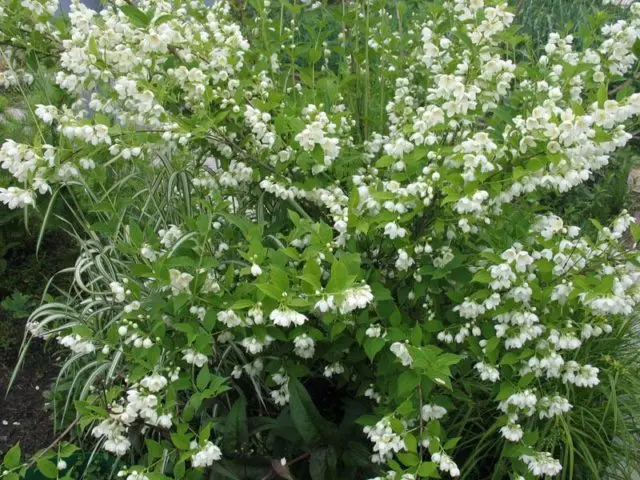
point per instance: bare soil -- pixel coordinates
(23, 416)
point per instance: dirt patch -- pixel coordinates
(23, 414)
(29, 274)
(24, 417)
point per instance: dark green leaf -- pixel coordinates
(235, 428)
(137, 16)
(305, 415)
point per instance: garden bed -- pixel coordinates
(24, 417)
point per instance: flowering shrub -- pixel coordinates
(315, 242)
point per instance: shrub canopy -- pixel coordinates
(317, 233)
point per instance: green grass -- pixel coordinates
(538, 18)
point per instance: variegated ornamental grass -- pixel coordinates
(282, 203)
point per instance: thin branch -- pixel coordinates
(55, 442)
(273, 474)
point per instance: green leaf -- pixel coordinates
(270, 290)
(506, 390)
(280, 279)
(372, 346)
(47, 468)
(236, 432)
(162, 19)
(482, 276)
(384, 161)
(526, 380)
(137, 16)
(407, 381)
(181, 441)
(339, 278)
(135, 234)
(603, 94)
(427, 469)
(12, 458)
(242, 304)
(510, 358)
(202, 380)
(416, 336)
(318, 464)
(411, 443)
(409, 459)
(306, 417)
(154, 448)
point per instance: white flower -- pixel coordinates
(118, 291)
(333, 369)
(356, 298)
(581, 376)
(229, 318)
(549, 407)
(512, 432)
(445, 463)
(147, 252)
(393, 231)
(206, 456)
(154, 383)
(541, 464)
(385, 441)
(487, 372)
(286, 318)
(374, 331)
(525, 401)
(194, 358)
(400, 350)
(326, 304)
(169, 237)
(136, 476)
(256, 270)
(179, 281)
(164, 421)
(77, 344)
(61, 465)
(404, 261)
(432, 412)
(132, 307)
(117, 445)
(46, 113)
(304, 346)
(254, 346)
(281, 395)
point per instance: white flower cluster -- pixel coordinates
(318, 132)
(385, 441)
(206, 455)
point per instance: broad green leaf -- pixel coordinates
(236, 431)
(305, 415)
(372, 346)
(12, 457)
(47, 468)
(181, 441)
(137, 16)
(202, 380)
(338, 281)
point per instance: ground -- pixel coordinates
(23, 413)
(23, 416)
